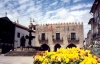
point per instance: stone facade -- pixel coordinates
(88, 40)
(95, 21)
(59, 35)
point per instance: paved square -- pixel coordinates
(16, 59)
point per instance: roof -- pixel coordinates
(16, 24)
(6, 19)
(91, 20)
(94, 6)
(21, 26)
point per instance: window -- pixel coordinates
(18, 35)
(67, 28)
(99, 28)
(57, 36)
(34, 28)
(43, 36)
(99, 14)
(73, 36)
(99, 25)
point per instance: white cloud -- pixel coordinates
(22, 1)
(76, 1)
(79, 12)
(54, 3)
(27, 9)
(62, 13)
(22, 7)
(80, 6)
(30, 9)
(65, 1)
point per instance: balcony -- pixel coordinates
(94, 35)
(43, 41)
(73, 40)
(57, 40)
(97, 36)
(98, 26)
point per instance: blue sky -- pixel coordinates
(48, 11)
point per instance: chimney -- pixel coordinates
(5, 14)
(17, 21)
(30, 20)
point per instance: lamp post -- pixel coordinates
(30, 37)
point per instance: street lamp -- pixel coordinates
(30, 37)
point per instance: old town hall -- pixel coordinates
(53, 36)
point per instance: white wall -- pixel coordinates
(17, 40)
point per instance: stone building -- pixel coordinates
(53, 36)
(95, 21)
(88, 39)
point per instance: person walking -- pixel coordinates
(22, 42)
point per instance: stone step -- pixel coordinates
(21, 53)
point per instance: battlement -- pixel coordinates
(64, 23)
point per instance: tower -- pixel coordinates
(32, 25)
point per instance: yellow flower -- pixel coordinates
(67, 60)
(52, 58)
(45, 60)
(43, 63)
(36, 58)
(68, 54)
(40, 58)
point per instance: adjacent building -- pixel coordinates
(12, 33)
(7, 31)
(95, 21)
(20, 32)
(88, 40)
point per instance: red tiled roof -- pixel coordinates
(21, 26)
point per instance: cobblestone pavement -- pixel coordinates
(16, 59)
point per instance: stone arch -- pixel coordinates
(71, 45)
(56, 46)
(44, 47)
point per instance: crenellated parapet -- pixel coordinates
(61, 24)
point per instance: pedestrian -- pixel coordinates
(22, 42)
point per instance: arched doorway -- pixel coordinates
(56, 46)
(71, 45)
(44, 47)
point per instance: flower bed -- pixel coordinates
(66, 56)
